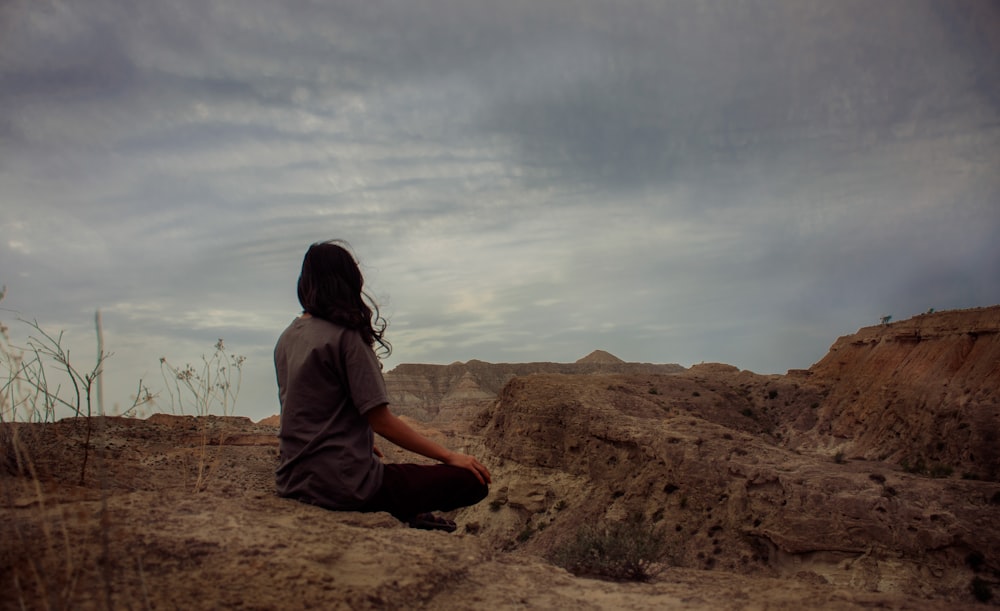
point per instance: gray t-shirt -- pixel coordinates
(328, 378)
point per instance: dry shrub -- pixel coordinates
(622, 551)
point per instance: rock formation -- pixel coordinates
(876, 467)
(923, 393)
(595, 449)
(450, 395)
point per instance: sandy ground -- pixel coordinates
(179, 513)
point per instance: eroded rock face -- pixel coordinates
(924, 393)
(574, 450)
(814, 475)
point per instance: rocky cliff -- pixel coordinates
(923, 393)
(871, 470)
(595, 449)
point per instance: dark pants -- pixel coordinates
(408, 490)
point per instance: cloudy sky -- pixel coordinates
(733, 181)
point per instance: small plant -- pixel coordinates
(981, 589)
(43, 392)
(917, 467)
(696, 394)
(940, 470)
(920, 467)
(40, 382)
(215, 385)
(560, 505)
(975, 560)
(525, 534)
(772, 394)
(839, 458)
(746, 411)
(495, 505)
(654, 391)
(622, 551)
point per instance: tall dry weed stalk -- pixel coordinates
(214, 386)
(33, 392)
(31, 396)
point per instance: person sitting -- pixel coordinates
(333, 399)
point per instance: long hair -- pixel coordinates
(331, 287)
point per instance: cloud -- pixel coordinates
(718, 86)
(521, 181)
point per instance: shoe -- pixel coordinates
(429, 521)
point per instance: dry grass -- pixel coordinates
(40, 553)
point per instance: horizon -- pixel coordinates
(259, 416)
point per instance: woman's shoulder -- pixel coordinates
(320, 328)
(309, 329)
(313, 335)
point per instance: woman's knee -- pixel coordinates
(475, 489)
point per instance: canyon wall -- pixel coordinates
(923, 392)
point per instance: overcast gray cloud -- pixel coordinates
(670, 181)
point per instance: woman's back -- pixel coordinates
(328, 378)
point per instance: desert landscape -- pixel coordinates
(869, 480)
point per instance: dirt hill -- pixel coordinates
(864, 481)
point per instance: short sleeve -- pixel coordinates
(364, 375)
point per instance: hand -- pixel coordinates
(465, 461)
(378, 452)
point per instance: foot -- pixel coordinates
(429, 521)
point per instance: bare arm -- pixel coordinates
(386, 424)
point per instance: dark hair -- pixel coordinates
(331, 287)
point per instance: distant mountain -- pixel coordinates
(600, 356)
(449, 396)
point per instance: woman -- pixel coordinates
(333, 398)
